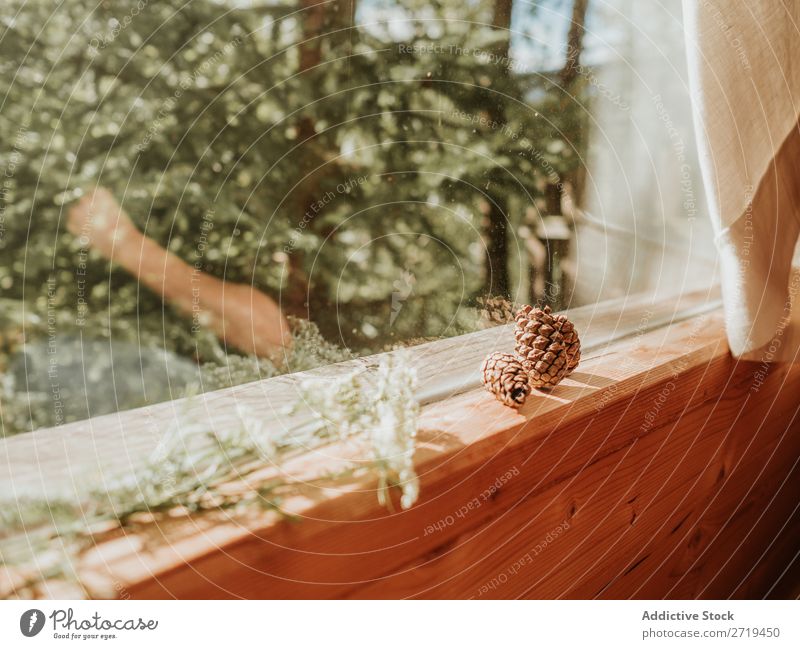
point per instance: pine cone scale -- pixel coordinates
(547, 345)
(504, 376)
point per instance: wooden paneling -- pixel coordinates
(654, 471)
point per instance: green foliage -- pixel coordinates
(353, 190)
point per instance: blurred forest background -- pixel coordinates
(375, 166)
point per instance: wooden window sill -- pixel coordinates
(654, 471)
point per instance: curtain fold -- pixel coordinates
(744, 76)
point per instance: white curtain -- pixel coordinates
(744, 73)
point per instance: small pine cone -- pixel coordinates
(495, 310)
(547, 345)
(504, 376)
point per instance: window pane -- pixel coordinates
(201, 195)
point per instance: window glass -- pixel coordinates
(203, 194)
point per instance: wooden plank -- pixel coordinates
(472, 438)
(294, 573)
(782, 552)
(623, 510)
(609, 478)
(57, 460)
(724, 524)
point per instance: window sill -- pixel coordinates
(643, 475)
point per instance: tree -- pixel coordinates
(497, 258)
(577, 28)
(335, 167)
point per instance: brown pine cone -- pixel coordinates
(504, 376)
(547, 345)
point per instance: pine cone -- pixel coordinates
(495, 310)
(504, 376)
(547, 345)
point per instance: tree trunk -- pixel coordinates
(577, 29)
(318, 20)
(569, 73)
(496, 277)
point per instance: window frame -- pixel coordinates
(50, 460)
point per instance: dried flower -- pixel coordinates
(192, 461)
(382, 410)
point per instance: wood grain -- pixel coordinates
(654, 471)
